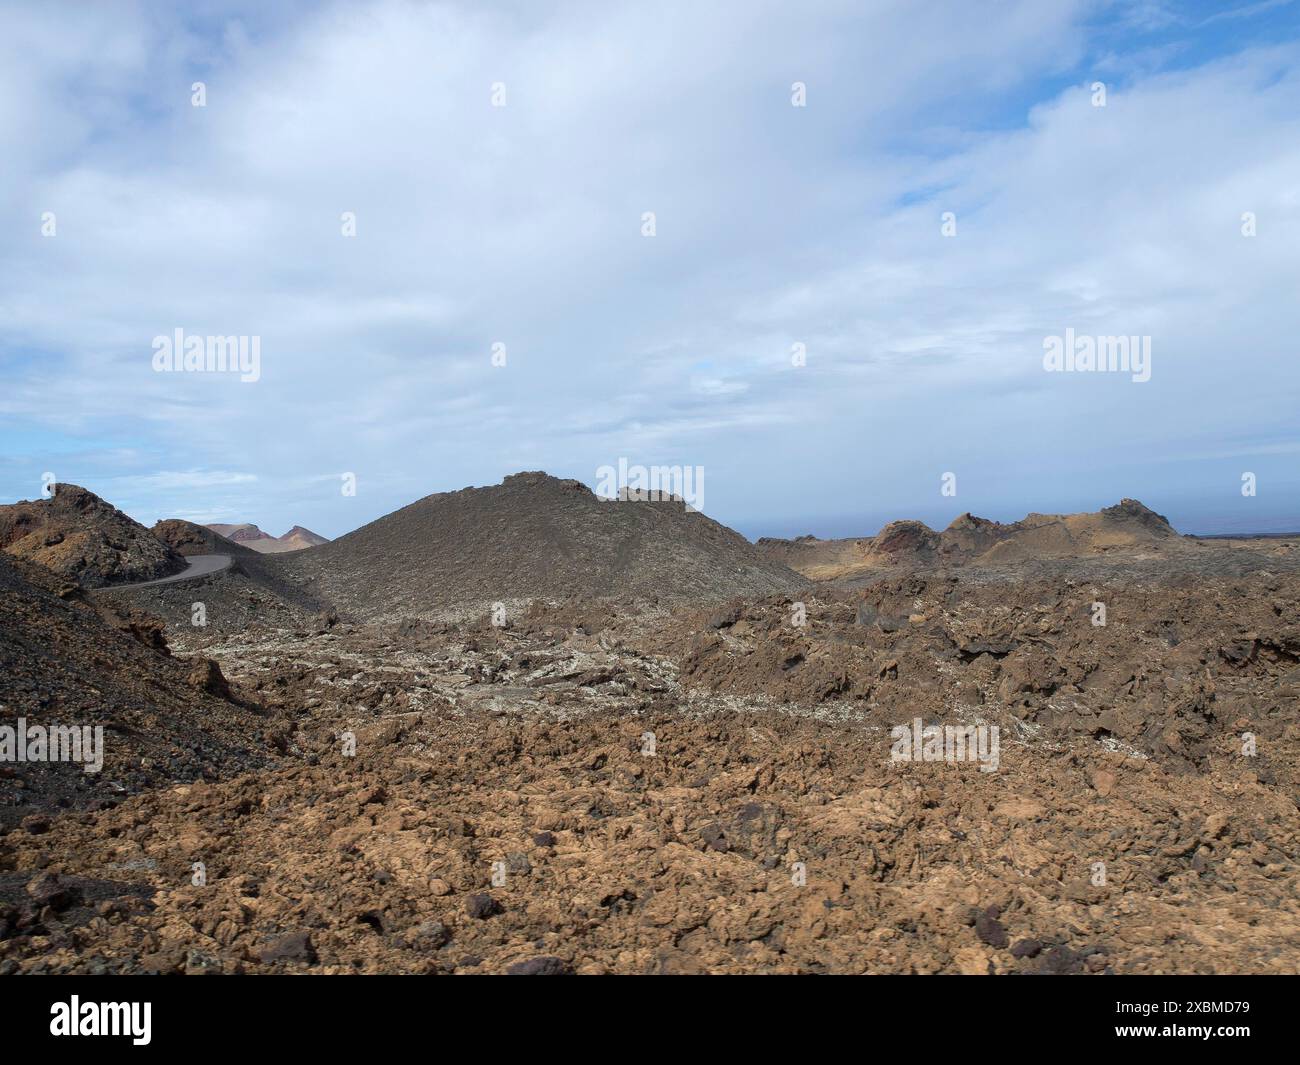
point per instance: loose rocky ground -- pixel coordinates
(748, 842)
(346, 760)
(68, 660)
(600, 787)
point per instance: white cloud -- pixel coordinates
(521, 225)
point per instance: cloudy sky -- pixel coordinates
(129, 213)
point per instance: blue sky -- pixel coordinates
(775, 225)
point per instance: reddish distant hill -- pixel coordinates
(251, 536)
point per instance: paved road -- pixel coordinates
(199, 566)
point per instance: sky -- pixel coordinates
(845, 295)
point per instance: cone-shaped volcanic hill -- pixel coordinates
(533, 537)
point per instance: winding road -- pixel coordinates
(199, 566)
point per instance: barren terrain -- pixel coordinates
(635, 784)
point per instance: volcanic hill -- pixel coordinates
(264, 543)
(533, 537)
(1128, 527)
(188, 539)
(79, 536)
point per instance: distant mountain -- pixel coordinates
(251, 536)
(298, 537)
(1128, 527)
(534, 537)
(187, 539)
